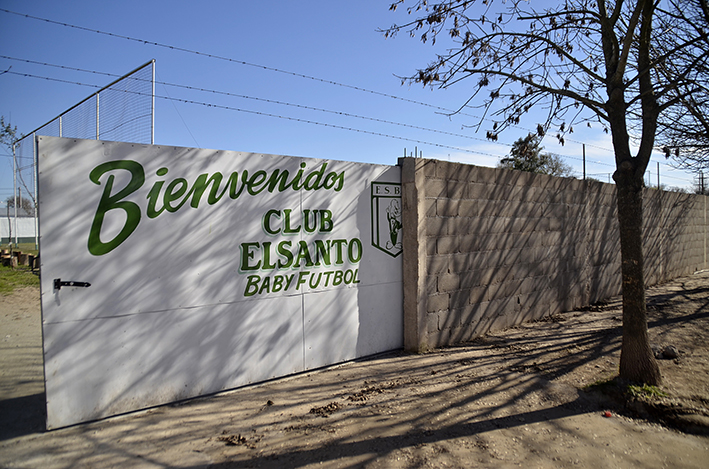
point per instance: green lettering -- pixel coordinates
(338, 278)
(295, 183)
(322, 251)
(246, 255)
(353, 256)
(286, 223)
(266, 285)
(302, 279)
(267, 222)
(252, 282)
(303, 253)
(312, 182)
(326, 224)
(200, 185)
(267, 257)
(256, 180)
(334, 180)
(174, 191)
(154, 194)
(338, 253)
(233, 184)
(279, 178)
(286, 254)
(327, 276)
(277, 283)
(306, 218)
(109, 202)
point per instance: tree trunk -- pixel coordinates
(637, 362)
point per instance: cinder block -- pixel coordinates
(487, 208)
(431, 246)
(436, 226)
(476, 191)
(473, 313)
(500, 225)
(429, 169)
(432, 322)
(485, 175)
(436, 188)
(474, 278)
(502, 273)
(555, 211)
(479, 294)
(511, 208)
(467, 208)
(448, 319)
(464, 261)
(430, 207)
(459, 299)
(436, 264)
(456, 189)
(446, 170)
(439, 338)
(438, 302)
(431, 284)
(463, 226)
(555, 223)
(469, 243)
(447, 245)
(448, 282)
(447, 207)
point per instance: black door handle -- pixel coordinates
(58, 284)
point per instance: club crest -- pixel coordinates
(386, 217)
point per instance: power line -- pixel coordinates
(248, 111)
(263, 67)
(301, 106)
(271, 101)
(218, 106)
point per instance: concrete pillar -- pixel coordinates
(414, 253)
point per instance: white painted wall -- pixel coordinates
(174, 311)
(25, 227)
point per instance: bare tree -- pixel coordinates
(630, 66)
(8, 138)
(25, 206)
(684, 130)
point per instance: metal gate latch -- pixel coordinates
(58, 284)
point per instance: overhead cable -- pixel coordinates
(263, 67)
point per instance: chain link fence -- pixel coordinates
(121, 111)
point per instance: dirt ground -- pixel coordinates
(520, 397)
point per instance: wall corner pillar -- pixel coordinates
(414, 253)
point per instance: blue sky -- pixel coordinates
(333, 40)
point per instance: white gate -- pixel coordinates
(169, 273)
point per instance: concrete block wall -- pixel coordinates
(486, 248)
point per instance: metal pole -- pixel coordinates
(60, 126)
(35, 176)
(658, 175)
(97, 134)
(584, 161)
(152, 123)
(14, 188)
